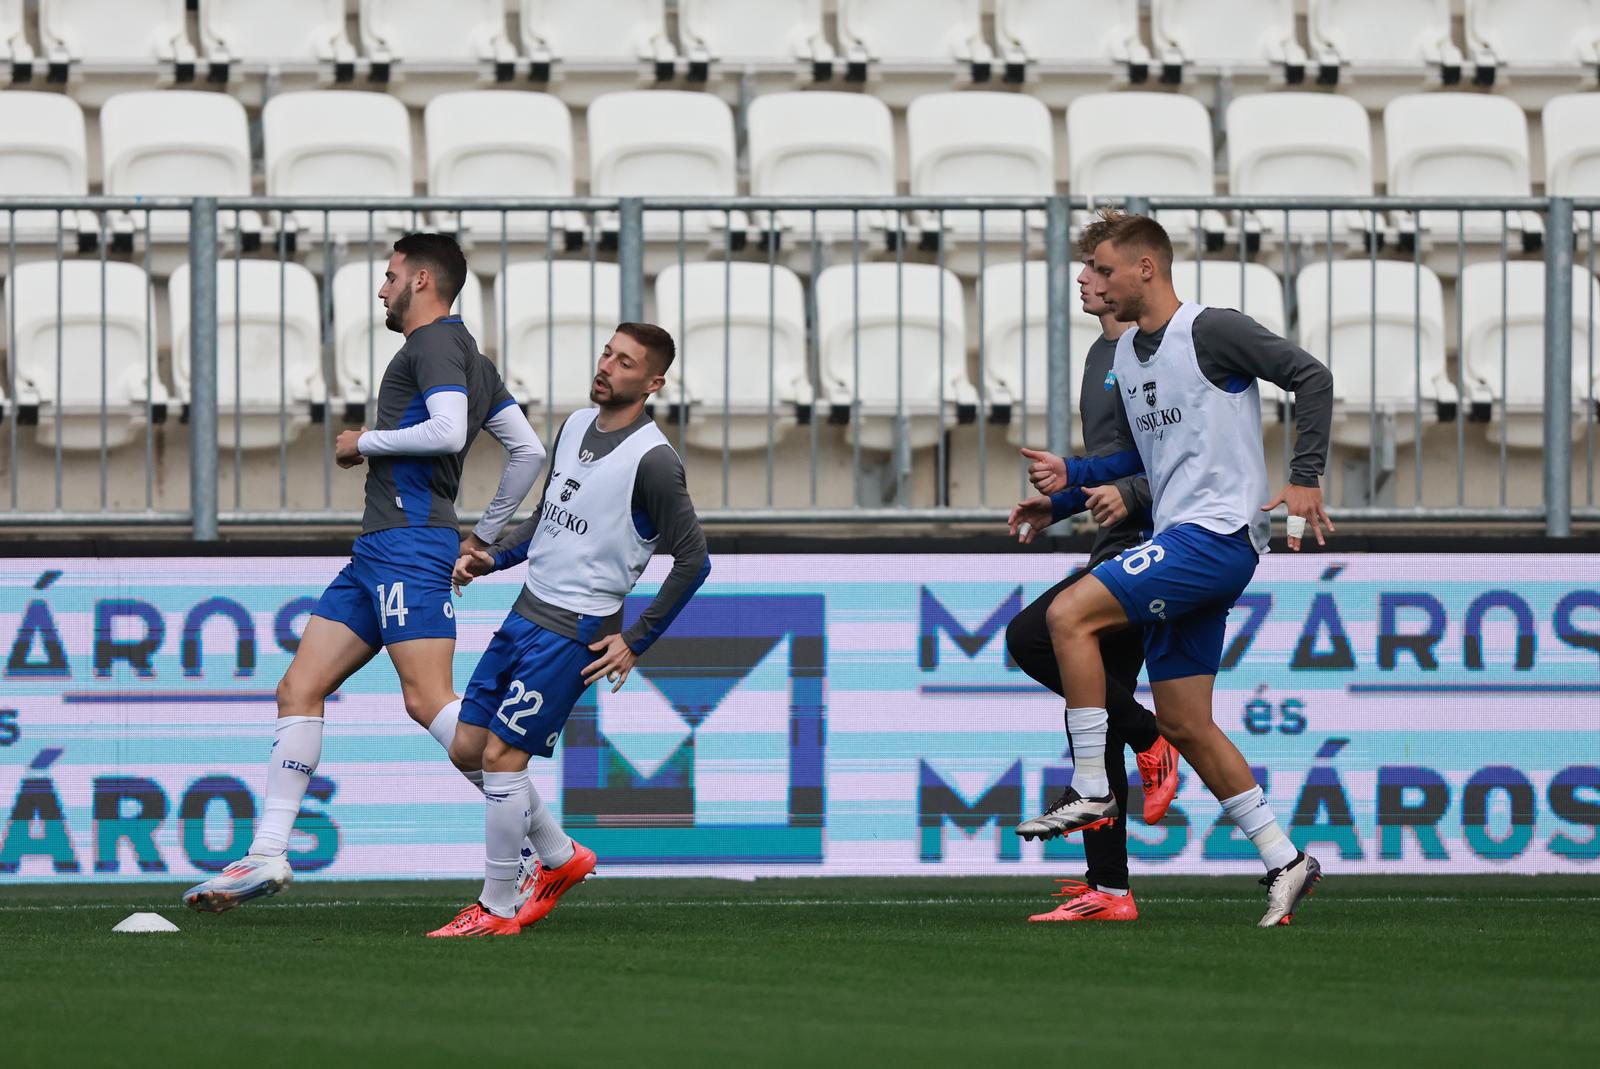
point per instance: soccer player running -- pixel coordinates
(437, 393)
(614, 496)
(1122, 510)
(1187, 376)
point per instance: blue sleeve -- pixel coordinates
(1064, 503)
(1092, 471)
(514, 554)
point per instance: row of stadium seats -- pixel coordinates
(1414, 35)
(510, 143)
(884, 334)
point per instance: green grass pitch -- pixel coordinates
(1375, 971)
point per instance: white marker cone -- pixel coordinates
(145, 922)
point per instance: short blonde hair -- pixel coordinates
(1105, 221)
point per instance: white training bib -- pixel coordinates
(586, 554)
(1201, 445)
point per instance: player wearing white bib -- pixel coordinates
(614, 496)
(1187, 379)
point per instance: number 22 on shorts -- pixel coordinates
(516, 695)
(1141, 557)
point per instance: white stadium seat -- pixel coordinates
(115, 32)
(1227, 34)
(606, 41)
(418, 31)
(1504, 358)
(1572, 145)
(1400, 35)
(336, 143)
(170, 142)
(898, 344)
(283, 33)
(1457, 144)
(980, 144)
(915, 33)
(555, 318)
(42, 153)
(69, 402)
(819, 144)
(363, 345)
(1300, 144)
(1141, 143)
(1016, 361)
(1070, 33)
(725, 359)
(14, 45)
(268, 372)
(1251, 288)
(1409, 319)
(1559, 34)
(664, 142)
(737, 33)
(499, 143)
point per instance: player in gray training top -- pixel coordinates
(615, 495)
(437, 393)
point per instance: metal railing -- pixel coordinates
(914, 453)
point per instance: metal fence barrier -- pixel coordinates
(840, 361)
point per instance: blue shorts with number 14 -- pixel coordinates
(1179, 586)
(526, 684)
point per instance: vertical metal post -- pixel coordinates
(203, 368)
(1558, 369)
(1058, 325)
(630, 258)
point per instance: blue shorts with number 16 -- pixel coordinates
(1179, 586)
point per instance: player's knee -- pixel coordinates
(422, 706)
(1065, 622)
(499, 757)
(295, 698)
(1180, 734)
(466, 755)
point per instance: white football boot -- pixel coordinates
(1286, 887)
(1071, 812)
(252, 876)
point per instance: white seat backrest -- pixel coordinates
(363, 345)
(1015, 302)
(337, 143)
(461, 32)
(1572, 145)
(113, 30)
(11, 24)
(1440, 144)
(1554, 33)
(171, 142)
(1255, 290)
(1371, 32)
(42, 146)
(1139, 143)
(129, 324)
(1222, 31)
(250, 356)
(989, 144)
(564, 343)
(1518, 339)
(284, 31)
(738, 29)
(821, 144)
(1067, 31)
(930, 31)
(1299, 143)
(498, 143)
(1408, 308)
(899, 357)
(712, 328)
(618, 31)
(660, 142)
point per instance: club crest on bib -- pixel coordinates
(570, 487)
(1150, 393)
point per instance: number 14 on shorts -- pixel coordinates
(392, 600)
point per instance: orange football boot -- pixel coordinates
(550, 884)
(475, 920)
(1085, 903)
(1158, 771)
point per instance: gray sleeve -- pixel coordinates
(1229, 344)
(661, 493)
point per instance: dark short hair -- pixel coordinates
(1142, 234)
(1096, 231)
(442, 257)
(658, 347)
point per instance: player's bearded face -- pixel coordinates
(623, 376)
(399, 304)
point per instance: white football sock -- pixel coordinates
(1120, 892)
(505, 796)
(296, 750)
(443, 730)
(548, 840)
(1254, 817)
(1088, 730)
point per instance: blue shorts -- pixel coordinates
(526, 684)
(1179, 586)
(396, 586)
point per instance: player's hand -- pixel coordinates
(615, 662)
(346, 448)
(1305, 502)
(1106, 505)
(471, 564)
(1030, 517)
(1046, 471)
(471, 542)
